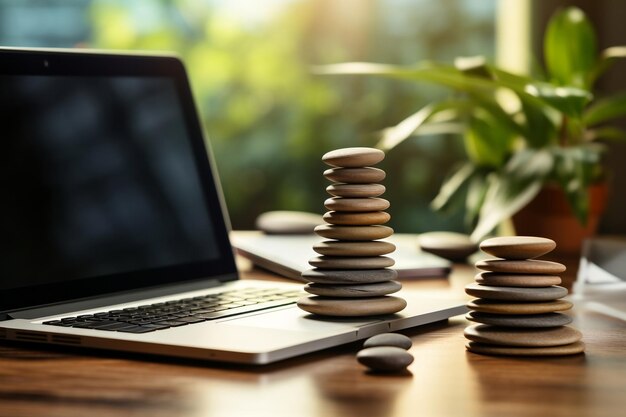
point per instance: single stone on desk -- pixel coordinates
(353, 233)
(516, 293)
(369, 218)
(385, 358)
(353, 157)
(364, 175)
(531, 266)
(449, 245)
(355, 190)
(517, 247)
(389, 339)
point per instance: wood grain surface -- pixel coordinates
(444, 379)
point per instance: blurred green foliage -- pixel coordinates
(269, 119)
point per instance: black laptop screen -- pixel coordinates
(100, 182)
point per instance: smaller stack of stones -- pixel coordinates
(519, 302)
(352, 277)
(386, 352)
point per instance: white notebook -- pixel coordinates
(288, 255)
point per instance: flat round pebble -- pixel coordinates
(356, 204)
(338, 248)
(385, 358)
(366, 276)
(348, 262)
(516, 293)
(354, 290)
(353, 157)
(389, 339)
(355, 175)
(509, 320)
(495, 335)
(356, 219)
(531, 266)
(353, 233)
(449, 245)
(351, 307)
(355, 190)
(288, 222)
(517, 247)
(516, 280)
(503, 307)
(486, 349)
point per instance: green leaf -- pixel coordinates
(570, 48)
(488, 139)
(445, 75)
(569, 100)
(512, 188)
(576, 168)
(539, 130)
(606, 109)
(393, 136)
(476, 191)
(452, 185)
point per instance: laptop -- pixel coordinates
(114, 234)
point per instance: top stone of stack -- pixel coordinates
(517, 247)
(353, 157)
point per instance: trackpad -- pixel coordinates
(293, 318)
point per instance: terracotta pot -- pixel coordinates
(549, 215)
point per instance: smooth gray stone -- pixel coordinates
(355, 190)
(529, 337)
(351, 307)
(517, 247)
(496, 279)
(336, 276)
(512, 320)
(389, 339)
(339, 248)
(385, 358)
(353, 233)
(449, 245)
(488, 292)
(353, 157)
(354, 290)
(530, 266)
(365, 175)
(351, 262)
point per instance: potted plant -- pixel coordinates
(522, 135)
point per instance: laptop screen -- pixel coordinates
(105, 180)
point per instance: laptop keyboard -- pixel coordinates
(158, 316)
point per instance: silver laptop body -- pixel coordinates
(111, 205)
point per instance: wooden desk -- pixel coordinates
(444, 380)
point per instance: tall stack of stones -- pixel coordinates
(518, 306)
(352, 277)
